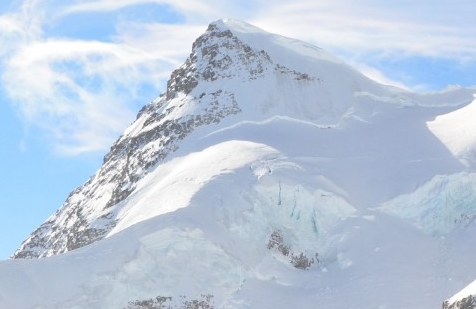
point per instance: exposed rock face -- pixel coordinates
(89, 213)
(217, 55)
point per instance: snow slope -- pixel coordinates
(457, 131)
(268, 175)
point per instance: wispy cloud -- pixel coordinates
(198, 7)
(396, 29)
(83, 92)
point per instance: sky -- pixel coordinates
(73, 74)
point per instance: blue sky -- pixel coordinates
(73, 74)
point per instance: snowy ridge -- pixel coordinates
(268, 175)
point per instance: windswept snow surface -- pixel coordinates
(457, 131)
(321, 189)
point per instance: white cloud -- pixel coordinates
(378, 76)
(194, 11)
(83, 93)
(419, 28)
(171, 43)
(102, 5)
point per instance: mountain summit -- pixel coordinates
(268, 174)
(235, 72)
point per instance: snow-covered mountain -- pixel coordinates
(269, 174)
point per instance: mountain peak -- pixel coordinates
(273, 173)
(235, 72)
(280, 46)
(217, 54)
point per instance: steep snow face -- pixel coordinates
(457, 131)
(154, 194)
(269, 174)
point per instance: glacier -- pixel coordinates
(269, 174)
